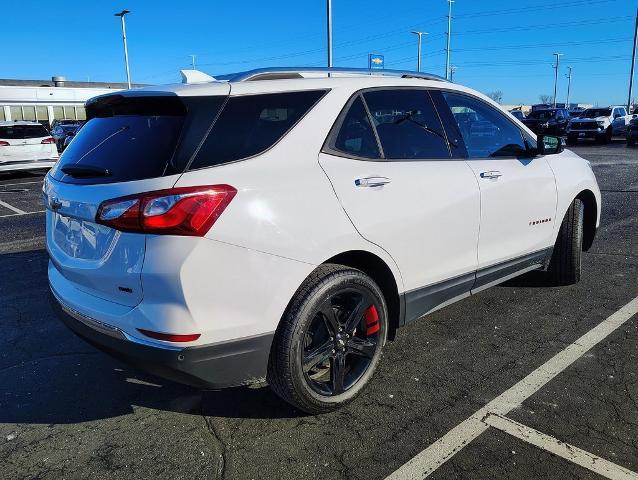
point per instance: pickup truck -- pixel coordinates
(598, 123)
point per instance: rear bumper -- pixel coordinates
(7, 166)
(226, 364)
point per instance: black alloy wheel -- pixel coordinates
(330, 339)
(340, 342)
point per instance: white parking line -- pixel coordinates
(14, 184)
(426, 462)
(11, 207)
(568, 452)
(20, 214)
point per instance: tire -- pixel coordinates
(308, 333)
(572, 140)
(631, 141)
(565, 264)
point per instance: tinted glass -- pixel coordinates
(124, 137)
(407, 124)
(356, 136)
(35, 131)
(249, 125)
(19, 132)
(596, 112)
(486, 132)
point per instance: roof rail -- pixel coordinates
(297, 72)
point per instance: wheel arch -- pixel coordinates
(590, 217)
(377, 269)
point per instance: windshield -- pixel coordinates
(596, 112)
(542, 114)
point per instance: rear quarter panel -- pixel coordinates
(285, 204)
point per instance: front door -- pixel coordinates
(518, 193)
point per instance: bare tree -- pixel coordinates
(497, 96)
(546, 98)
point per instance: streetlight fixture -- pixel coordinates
(329, 31)
(128, 72)
(418, 54)
(558, 55)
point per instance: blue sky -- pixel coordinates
(496, 45)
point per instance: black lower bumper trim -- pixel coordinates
(220, 365)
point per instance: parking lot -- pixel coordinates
(515, 382)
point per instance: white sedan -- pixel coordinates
(26, 146)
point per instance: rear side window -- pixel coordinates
(356, 136)
(407, 124)
(249, 125)
(20, 132)
(130, 138)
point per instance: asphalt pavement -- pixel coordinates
(69, 411)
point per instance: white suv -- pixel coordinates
(282, 224)
(26, 146)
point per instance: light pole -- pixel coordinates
(569, 85)
(128, 72)
(449, 34)
(329, 12)
(558, 55)
(193, 60)
(418, 50)
(633, 65)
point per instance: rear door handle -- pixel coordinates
(371, 181)
(491, 174)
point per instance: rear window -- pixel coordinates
(131, 138)
(249, 125)
(20, 132)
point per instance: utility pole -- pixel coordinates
(128, 72)
(569, 85)
(452, 71)
(193, 60)
(418, 51)
(558, 55)
(329, 33)
(633, 64)
(449, 34)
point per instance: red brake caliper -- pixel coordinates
(372, 321)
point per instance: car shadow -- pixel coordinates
(50, 376)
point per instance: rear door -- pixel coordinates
(390, 164)
(518, 193)
(129, 145)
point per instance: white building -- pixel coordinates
(44, 100)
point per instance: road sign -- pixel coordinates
(376, 62)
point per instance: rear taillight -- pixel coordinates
(3, 143)
(189, 211)
(48, 140)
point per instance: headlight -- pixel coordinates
(601, 124)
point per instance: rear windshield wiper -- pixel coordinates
(85, 171)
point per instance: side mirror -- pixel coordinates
(550, 145)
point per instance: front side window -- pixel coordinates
(356, 136)
(486, 132)
(407, 124)
(249, 125)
